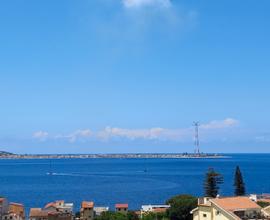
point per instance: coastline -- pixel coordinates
(114, 156)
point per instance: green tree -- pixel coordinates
(239, 185)
(155, 216)
(212, 182)
(112, 216)
(132, 216)
(263, 204)
(181, 206)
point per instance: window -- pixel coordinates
(204, 215)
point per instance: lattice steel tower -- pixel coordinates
(196, 124)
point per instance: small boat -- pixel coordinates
(50, 173)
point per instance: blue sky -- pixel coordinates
(111, 76)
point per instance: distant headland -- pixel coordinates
(8, 155)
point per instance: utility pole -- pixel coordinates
(196, 124)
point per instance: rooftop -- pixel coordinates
(235, 203)
(121, 206)
(86, 204)
(37, 212)
(16, 208)
(51, 204)
(16, 204)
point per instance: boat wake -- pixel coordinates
(64, 174)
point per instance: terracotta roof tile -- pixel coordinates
(235, 203)
(16, 204)
(86, 204)
(38, 212)
(51, 204)
(121, 206)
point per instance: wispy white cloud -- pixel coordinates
(40, 135)
(149, 134)
(164, 134)
(228, 122)
(142, 3)
(76, 135)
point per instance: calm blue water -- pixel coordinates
(110, 181)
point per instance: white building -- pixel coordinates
(153, 208)
(227, 208)
(99, 210)
(59, 205)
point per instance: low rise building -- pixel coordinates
(99, 210)
(58, 210)
(154, 208)
(3, 207)
(16, 211)
(60, 206)
(38, 214)
(11, 216)
(87, 210)
(123, 208)
(228, 208)
(59, 215)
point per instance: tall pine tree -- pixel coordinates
(239, 185)
(212, 182)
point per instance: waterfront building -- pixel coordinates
(123, 208)
(38, 214)
(154, 208)
(59, 206)
(11, 216)
(3, 207)
(58, 210)
(60, 215)
(99, 210)
(16, 211)
(11, 211)
(227, 208)
(87, 210)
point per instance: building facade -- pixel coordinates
(3, 207)
(123, 208)
(99, 210)
(229, 208)
(38, 214)
(87, 210)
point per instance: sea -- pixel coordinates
(133, 181)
